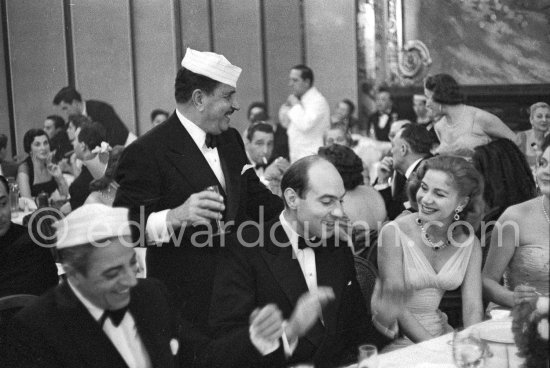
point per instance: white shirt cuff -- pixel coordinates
(388, 332)
(382, 186)
(288, 346)
(156, 229)
(263, 346)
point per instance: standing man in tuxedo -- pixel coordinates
(379, 123)
(101, 316)
(69, 100)
(306, 114)
(301, 263)
(163, 177)
(410, 146)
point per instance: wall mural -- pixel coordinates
(479, 42)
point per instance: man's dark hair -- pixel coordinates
(67, 94)
(78, 120)
(297, 176)
(58, 121)
(4, 181)
(29, 136)
(258, 127)
(259, 104)
(418, 138)
(77, 257)
(3, 141)
(305, 72)
(350, 104)
(187, 82)
(91, 134)
(384, 89)
(157, 112)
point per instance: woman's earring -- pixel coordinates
(457, 213)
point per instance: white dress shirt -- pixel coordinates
(309, 119)
(125, 337)
(156, 228)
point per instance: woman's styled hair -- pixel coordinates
(538, 105)
(29, 136)
(348, 164)
(465, 178)
(508, 177)
(445, 89)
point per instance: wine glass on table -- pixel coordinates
(216, 189)
(469, 350)
(368, 356)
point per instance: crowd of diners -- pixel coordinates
(195, 245)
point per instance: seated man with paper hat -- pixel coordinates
(101, 316)
(164, 176)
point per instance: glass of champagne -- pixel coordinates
(368, 356)
(469, 350)
(216, 189)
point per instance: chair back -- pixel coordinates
(366, 277)
(11, 304)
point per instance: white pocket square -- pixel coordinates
(174, 346)
(246, 167)
(349, 282)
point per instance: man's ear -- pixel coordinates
(197, 97)
(291, 198)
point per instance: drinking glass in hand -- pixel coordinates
(368, 356)
(469, 350)
(216, 189)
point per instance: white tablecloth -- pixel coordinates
(437, 353)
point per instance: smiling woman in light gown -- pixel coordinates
(520, 254)
(435, 250)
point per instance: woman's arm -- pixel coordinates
(472, 306)
(504, 240)
(494, 127)
(62, 185)
(23, 181)
(390, 265)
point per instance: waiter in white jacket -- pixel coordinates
(306, 114)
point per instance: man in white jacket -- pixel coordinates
(306, 112)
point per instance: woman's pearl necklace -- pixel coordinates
(426, 237)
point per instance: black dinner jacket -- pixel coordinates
(381, 134)
(103, 113)
(161, 170)
(251, 277)
(9, 169)
(396, 204)
(57, 331)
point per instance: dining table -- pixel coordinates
(438, 352)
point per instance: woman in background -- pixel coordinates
(508, 181)
(460, 126)
(435, 250)
(531, 140)
(519, 246)
(37, 173)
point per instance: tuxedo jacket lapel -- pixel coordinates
(231, 166)
(284, 267)
(186, 157)
(88, 336)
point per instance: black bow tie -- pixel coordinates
(311, 243)
(211, 141)
(116, 316)
(260, 166)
